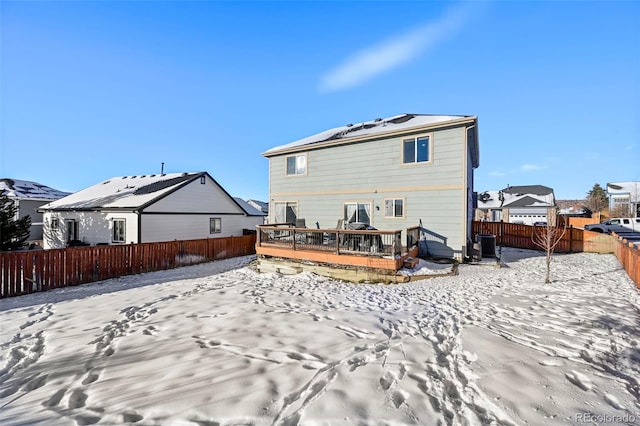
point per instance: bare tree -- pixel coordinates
(547, 238)
(621, 210)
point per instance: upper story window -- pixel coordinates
(297, 164)
(203, 180)
(55, 224)
(118, 234)
(394, 207)
(416, 150)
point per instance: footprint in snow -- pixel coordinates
(580, 380)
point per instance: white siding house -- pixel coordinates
(524, 204)
(389, 174)
(146, 208)
(626, 195)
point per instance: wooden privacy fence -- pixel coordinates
(628, 255)
(31, 271)
(519, 236)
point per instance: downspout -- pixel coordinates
(468, 223)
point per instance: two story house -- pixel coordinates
(28, 197)
(624, 198)
(521, 204)
(388, 173)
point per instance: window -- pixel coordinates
(203, 179)
(55, 224)
(72, 230)
(416, 150)
(118, 235)
(297, 164)
(394, 207)
(286, 212)
(357, 212)
(215, 225)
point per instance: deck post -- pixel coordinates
(294, 238)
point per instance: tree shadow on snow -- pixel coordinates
(620, 361)
(510, 254)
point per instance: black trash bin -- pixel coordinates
(487, 244)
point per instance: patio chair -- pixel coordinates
(330, 237)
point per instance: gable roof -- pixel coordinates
(260, 205)
(517, 197)
(24, 189)
(631, 188)
(380, 126)
(248, 208)
(126, 192)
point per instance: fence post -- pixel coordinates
(570, 238)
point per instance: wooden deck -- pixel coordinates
(371, 249)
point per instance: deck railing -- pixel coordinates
(338, 241)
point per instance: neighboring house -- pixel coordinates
(526, 205)
(625, 194)
(146, 208)
(28, 197)
(572, 207)
(259, 205)
(390, 174)
(251, 210)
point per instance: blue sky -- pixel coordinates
(92, 90)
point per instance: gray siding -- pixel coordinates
(371, 172)
(29, 208)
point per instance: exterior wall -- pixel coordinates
(196, 198)
(168, 227)
(93, 227)
(30, 208)
(435, 192)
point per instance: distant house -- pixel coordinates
(572, 207)
(259, 205)
(28, 197)
(624, 194)
(388, 173)
(527, 204)
(146, 208)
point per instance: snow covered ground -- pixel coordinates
(218, 344)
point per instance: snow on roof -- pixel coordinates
(260, 205)
(248, 208)
(16, 188)
(379, 125)
(123, 192)
(517, 196)
(631, 188)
